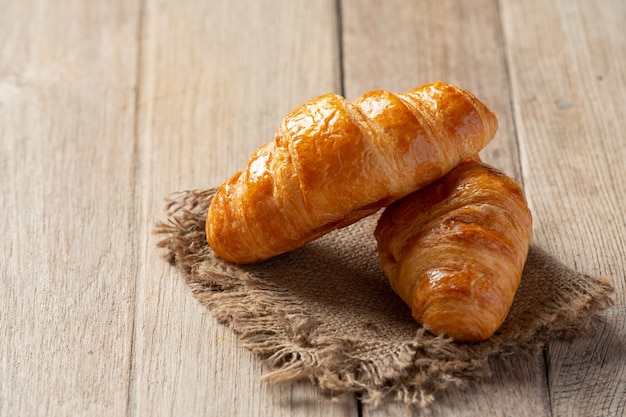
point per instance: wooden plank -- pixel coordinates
(216, 80)
(568, 68)
(398, 45)
(67, 270)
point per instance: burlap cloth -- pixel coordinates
(326, 312)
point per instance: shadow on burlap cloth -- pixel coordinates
(326, 312)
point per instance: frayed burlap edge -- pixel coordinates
(277, 328)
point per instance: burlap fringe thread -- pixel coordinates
(325, 312)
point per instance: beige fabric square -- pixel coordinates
(325, 312)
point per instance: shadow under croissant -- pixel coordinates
(327, 313)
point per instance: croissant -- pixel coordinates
(333, 162)
(454, 251)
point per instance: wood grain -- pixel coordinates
(216, 79)
(400, 45)
(67, 162)
(568, 67)
(107, 107)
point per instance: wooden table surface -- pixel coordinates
(106, 107)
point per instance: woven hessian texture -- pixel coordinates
(326, 312)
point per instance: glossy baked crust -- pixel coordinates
(333, 162)
(455, 250)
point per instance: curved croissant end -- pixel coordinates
(455, 251)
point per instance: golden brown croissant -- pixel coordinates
(333, 162)
(454, 251)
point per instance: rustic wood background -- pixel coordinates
(106, 107)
